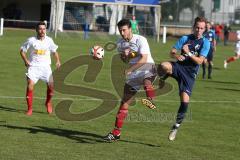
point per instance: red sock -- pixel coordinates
(121, 115)
(231, 59)
(49, 95)
(29, 98)
(150, 93)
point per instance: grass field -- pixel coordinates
(210, 132)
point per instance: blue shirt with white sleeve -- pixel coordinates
(198, 47)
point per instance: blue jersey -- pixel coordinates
(198, 47)
(210, 35)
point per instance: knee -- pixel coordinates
(164, 68)
(30, 86)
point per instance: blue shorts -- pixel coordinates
(184, 76)
(210, 54)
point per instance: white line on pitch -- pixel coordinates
(138, 99)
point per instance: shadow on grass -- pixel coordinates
(80, 137)
(10, 109)
(218, 68)
(226, 89)
(220, 82)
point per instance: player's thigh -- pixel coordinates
(46, 74)
(33, 74)
(148, 81)
(30, 84)
(128, 93)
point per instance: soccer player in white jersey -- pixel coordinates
(237, 52)
(40, 48)
(135, 50)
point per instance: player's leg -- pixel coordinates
(231, 59)
(210, 66)
(164, 70)
(29, 95)
(32, 78)
(150, 93)
(47, 77)
(184, 97)
(129, 92)
(204, 68)
(185, 84)
(210, 62)
(49, 96)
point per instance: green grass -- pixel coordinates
(210, 132)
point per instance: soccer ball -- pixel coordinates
(97, 52)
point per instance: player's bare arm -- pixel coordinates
(24, 57)
(198, 60)
(58, 63)
(173, 54)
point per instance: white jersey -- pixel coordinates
(237, 49)
(39, 50)
(137, 44)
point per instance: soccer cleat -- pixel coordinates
(225, 64)
(147, 102)
(29, 112)
(172, 134)
(49, 107)
(111, 138)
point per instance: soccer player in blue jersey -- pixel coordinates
(193, 49)
(210, 35)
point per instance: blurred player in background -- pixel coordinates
(237, 52)
(135, 50)
(134, 25)
(40, 48)
(194, 49)
(210, 35)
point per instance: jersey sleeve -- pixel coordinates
(26, 45)
(53, 47)
(119, 47)
(205, 48)
(178, 46)
(144, 47)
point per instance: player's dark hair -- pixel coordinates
(39, 24)
(199, 19)
(124, 22)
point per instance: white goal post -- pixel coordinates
(1, 26)
(58, 9)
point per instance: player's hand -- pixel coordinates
(58, 64)
(123, 57)
(27, 63)
(180, 57)
(127, 52)
(127, 72)
(186, 48)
